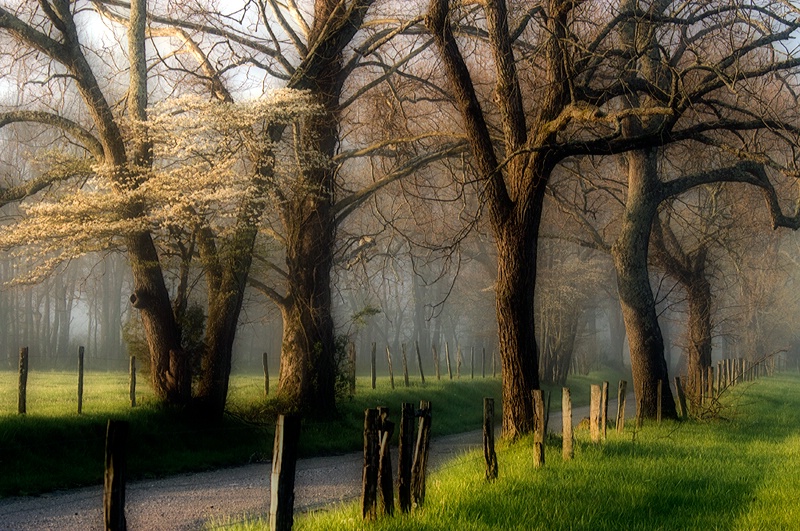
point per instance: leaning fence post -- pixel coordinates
(681, 397)
(405, 457)
(369, 477)
(447, 359)
(22, 401)
(385, 479)
(132, 385)
(284, 464)
(419, 468)
(419, 362)
(621, 398)
(567, 451)
(114, 477)
(489, 454)
(604, 410)
(80, 380)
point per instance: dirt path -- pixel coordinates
(186, 502)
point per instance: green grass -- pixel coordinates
(52, 447)
(739, 472)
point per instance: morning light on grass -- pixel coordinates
(740, 471)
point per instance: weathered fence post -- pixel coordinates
(547, 412)
(114, 477)
(419, 362)
(405, 364)
(352, 355)
(132, 381)
(711, 393)
(659, 391)
(80, 380)
(489, 454)
(472, 363)
(385, 479)
(265, 364)
(594, 413)
(419, 468)
(369, 478)
(435, 354)
(391, 369)
(372, 365)
(538, 428)
(604, 410)
(284, 465)
(483, 362)
(567, 451)
(22, 400)
(447, 359)
(681, 398)
(406, 456)
(621, 398)
(459, 362)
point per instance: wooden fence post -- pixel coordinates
(80, 380)
(132, 382)
(385, 479)
(22, 400)
(114, 477)
(459, 362)
(538, 428)
(659, 392)
(372, 365)
(419, 468)
(369, 478)
(419, 362)
(405, 458)
(594, 413)
(435, 354)
(284, 466)
(472, 363)
(265, 364)
(567, 451)
(352, 355)
(391, 369)
(489, 454)
(621, 398)
(483, 362)
(494, 364)
(681, 398)
(604, 410)
(711, 383)
(447, 359)
(405, 364)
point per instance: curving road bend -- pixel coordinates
(187, 502)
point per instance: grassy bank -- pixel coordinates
(737, 472)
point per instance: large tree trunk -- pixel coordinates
(308, 365)
(699, 300)
(514, 300)
(633, 282)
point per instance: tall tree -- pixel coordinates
(597, 86)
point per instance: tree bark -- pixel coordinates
(633, 282)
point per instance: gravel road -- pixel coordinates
(186, 502)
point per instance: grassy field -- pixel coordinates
(738, 472)
(52, 447)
